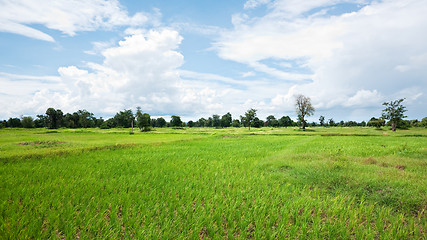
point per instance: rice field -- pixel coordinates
(203, 183)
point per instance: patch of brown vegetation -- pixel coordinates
(370, 160)
(203, 233)
(400, 167)
(250, 231)
(40, 143)
(231, 137)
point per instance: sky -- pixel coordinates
(195, 58)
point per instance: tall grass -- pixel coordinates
(216, 184)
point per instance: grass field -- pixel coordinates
(323, 183)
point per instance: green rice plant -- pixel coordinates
(213, 183)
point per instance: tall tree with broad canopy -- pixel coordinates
(303, 108)
(143, 120)
(394, 112)
(54, 118)
(249, 117)
(226, 120)
(176, 121)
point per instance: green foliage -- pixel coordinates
(286, 121)
(322, 120)
(143, 120)
(423, 122)
(124, 119)
(249, 117)
(176, 121)
(236, 123)
(216, 122)
(27, 122)
(272, 121)
(394, 112)
(14, 123)
(376, 122)
(226, 120)
(160, 122)
(54, 118)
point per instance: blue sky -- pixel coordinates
(198, 58)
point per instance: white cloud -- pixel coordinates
(364, 98)
(356, 59)
(67, 16)
(255, 3)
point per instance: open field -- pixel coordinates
(345, 183)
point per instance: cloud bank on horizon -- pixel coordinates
(348, 56)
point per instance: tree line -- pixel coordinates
(55, 118)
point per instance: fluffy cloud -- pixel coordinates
(356, 58)
(67, 16)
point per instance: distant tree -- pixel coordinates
(40, 121)
(363, 124)
(303, 108)
(394, 112)
(176, 121)
(27, 122)
(14, 123)
(54, 118)
(160, 122)
(139, 118)
(209, 122)
(216, 122)
(423, 122)
(201, 122)
(190, 124)
(285, 121)
(322, 120)
(271, 121)
(99, 122)
(257, 123)
(248, 118)
(376, 122)
(331, 122)
(124, 118)
(85, 118)
(236, 123)
(226, 120)
(144, 122)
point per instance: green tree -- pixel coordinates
(226, 120)
(303, 108)
(27, 122)
(201, 122)
(176, 121)
(236, 123)
(124, 119)
(272, 121)
(160, 122)
(190, 124)
(394, 112)
(331, 122)
(285, 121)
(249, 117)
(54, 118)
(14, 123)
(376, 122)
(216, 122)
(144, 122)
(322, 120)
(41, 121)
(423, 122)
